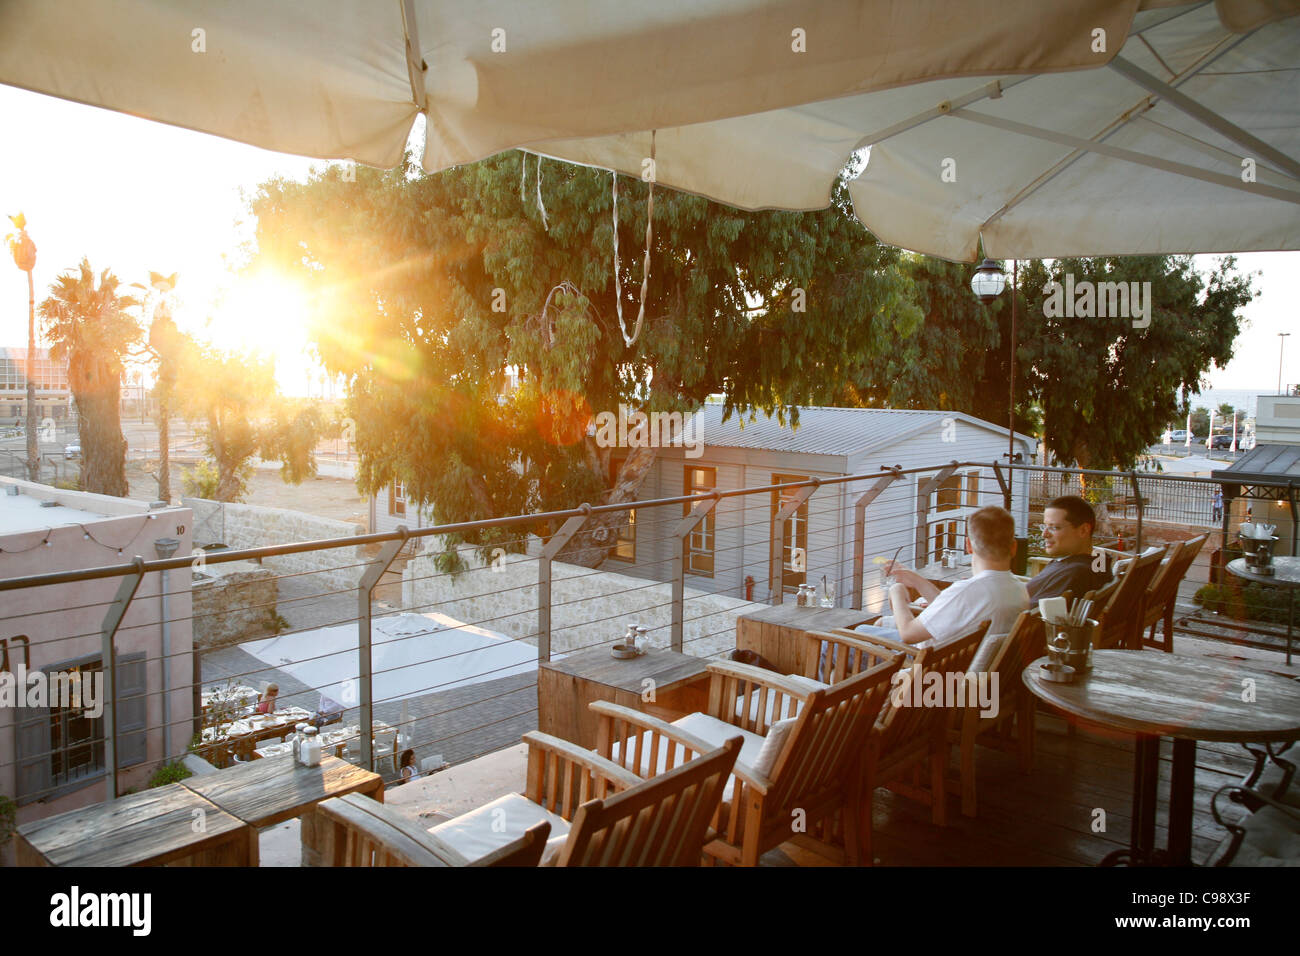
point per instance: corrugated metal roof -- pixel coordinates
(1264, 463)
(821, 431)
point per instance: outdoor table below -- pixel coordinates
(777, 633)
(270, 791)
(1185, 698)
(169, 825)
(1286, 574)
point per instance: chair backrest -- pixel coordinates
(902, 720)
(353, 830)
(661, 822)
(1162, 584)
(827, 737)
(1026, 643)
(1121, 618)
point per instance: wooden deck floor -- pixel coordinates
(1044, 818)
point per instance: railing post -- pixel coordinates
(684, 527)
(549, 551)
(365, 593)
(112, 621)
(1137, 498)
(860, 532)
(776, 590)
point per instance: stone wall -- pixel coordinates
(251, 526)
(233, 603)
(588, 607)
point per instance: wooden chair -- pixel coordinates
(661, 822)
(805, 770)
(353, 830)
(905, 738)
(1162, 595)
(1122, 603)
(1010, 726)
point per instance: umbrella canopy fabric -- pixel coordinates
(1148, 153)
(756, 103)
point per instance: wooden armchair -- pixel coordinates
(661, 822)
(353, 830)
(1162, 595)
(906, 738)
(804, 771)
(1122, 603)
(1012, 707)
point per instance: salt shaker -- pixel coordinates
(311, 748)
(296, 741)
(642, 639)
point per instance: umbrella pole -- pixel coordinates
(1011, 392)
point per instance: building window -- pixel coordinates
(794, 534)
(60, 747)
(625, 541)
(76, 740)
(698, 546)
(948, 508)
(397, 499)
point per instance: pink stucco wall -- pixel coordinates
(64, 621)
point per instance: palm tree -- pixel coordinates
(91, 327)
(23, 250)
(166, 343)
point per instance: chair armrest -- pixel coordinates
(868, 651)
(897, 646)
(610, 713)
(758, 675)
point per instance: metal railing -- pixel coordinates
(697, 562)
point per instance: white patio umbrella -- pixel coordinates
(756, 102)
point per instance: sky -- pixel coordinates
(138, 196)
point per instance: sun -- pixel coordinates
(267, 313)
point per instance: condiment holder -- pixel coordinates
(1057, 671)
(1257, 542)
(633, 645)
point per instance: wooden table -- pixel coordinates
(266, 792)
(1286, 574)
(1184, 698)
(777, 633)
(164, 826)
(565, 688)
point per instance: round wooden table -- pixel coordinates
(1184, 698)
(1286, 574)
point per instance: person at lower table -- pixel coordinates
(1068, 524)
(408, 770)
(992, 593)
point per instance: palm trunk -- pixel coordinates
(33, 449)
(103, 449)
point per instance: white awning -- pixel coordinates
(757, 103)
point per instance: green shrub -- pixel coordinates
(8, 819)
(1249, 602)
(172, 772)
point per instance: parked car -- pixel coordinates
(1178, 435)
(72, 451)
(1220, 441)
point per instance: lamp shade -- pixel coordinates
(988, 281)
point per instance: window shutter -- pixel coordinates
(32, 748)
(132, 710)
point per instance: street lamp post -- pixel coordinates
(1280, 346)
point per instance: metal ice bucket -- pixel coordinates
(1259, 553)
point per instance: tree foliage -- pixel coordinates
(431, 289)
(89, 323)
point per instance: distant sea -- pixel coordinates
(1239, 399)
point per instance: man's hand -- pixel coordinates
(911, 579)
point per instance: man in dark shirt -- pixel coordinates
(1068, 523)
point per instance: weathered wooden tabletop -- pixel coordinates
(668, 669)
(161, 825)
(266, 792)
(808, 618)
(1168, 695)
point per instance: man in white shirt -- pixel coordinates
(992, 593)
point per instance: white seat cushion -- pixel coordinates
(773, 744)
(1272, 839)
(709, 729)
(987, 650)
(807, 683)
(493, 825)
